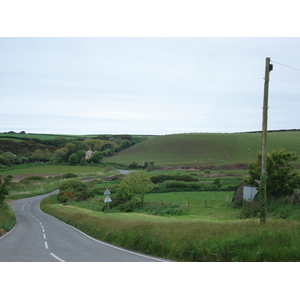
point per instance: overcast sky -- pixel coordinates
(146, 85)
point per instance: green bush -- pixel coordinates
(181, 186)
(32, 178)
(249, 209)
(73, 190)
(69, 175)
(134, 165)
(165, 177)
(7, 218)
(128, 206)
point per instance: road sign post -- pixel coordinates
(107, 198)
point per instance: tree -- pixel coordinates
(3, 191)
(73, 159)
(138, 184)
(281, 179)
(61, 154)
(96, 157)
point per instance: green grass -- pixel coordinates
(32, 188)
(209, 206)
(205, 149)
(7, 218)
(180, 239)
(210, 230)
(52, 169)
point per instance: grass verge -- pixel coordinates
(186, 240)
(7, 219)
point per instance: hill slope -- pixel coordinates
(204, 149)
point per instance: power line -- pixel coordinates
(285, 65)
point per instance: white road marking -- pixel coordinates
(44, 236)
(46, 245)
(98, 241)
(56, 257)
(103, 243)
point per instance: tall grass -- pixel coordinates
(182, 240)
(7, 218)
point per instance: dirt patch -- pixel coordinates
(19, 177)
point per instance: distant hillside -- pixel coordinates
(205, 149)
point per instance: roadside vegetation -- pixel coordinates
(184, 211)
(186, 225)
(7, 217)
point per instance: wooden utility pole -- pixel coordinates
(263, 177)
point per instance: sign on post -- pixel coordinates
(107, 198)
(106, 192)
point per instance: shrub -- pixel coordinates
(249, 209)
(69, 175)
(32, 178)
(73, 190)
(129, 206)
(134, 165)
(65, 196)
(182, 186)
(165, 177)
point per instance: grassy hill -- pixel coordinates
(205, 149)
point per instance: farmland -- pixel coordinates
(208, 228)
(205, 149)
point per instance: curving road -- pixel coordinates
(39, 237)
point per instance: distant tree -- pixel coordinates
(137, 184)
(59, 141)
(217, 183)
(73, 159)
(145, 164)
(61, 155)
(124, 145)
(281, 179)
(151, 163)
(133, 165)
(96, 157)
(41, 155)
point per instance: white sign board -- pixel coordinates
(106, 192)
(107, 199)
(249, 193)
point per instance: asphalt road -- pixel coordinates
(39, 237)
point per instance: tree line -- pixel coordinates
(62, 150)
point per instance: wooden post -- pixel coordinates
(263, 178)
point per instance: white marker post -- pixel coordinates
(107, 198)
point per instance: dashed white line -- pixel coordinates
(44, 236)
(46, 245)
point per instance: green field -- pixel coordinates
(206, 237)
(210, 228)
(205, 149)
(51, 170)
